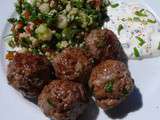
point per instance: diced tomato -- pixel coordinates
(19, 25)
(26, 14)
(28, 29)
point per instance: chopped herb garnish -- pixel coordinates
(114, 5)
(109, 86)
(50, 103)
(159, 46)
(120, 27)
(12, 20)
(151, 21)
(11, 44)
(141, 41)
(25, 42)
(18, 8)
(141, 13)
(136, 52)
(137, 19)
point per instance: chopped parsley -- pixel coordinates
(136, 52)
(141, 13)
(136, 19)
(151, 21)
(141, 41)
(120, 27)
(50, 103)
(114, 5)
(12, 20)
(109, 86)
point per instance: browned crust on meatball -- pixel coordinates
(68, 100)
(103, 45)
(122, 83)
(29, 73)
(72, 64)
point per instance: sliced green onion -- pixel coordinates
(120, 27)
(109, 86)
(151, 21)
(141, 13)
(137, 19)
(114, 5)
(136, 52)
(141, 41)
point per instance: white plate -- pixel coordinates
(143, 104)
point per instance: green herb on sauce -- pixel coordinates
(141, 13)
(136, 19)
(120, 27)
(50, 103)
(136, 52)
(114, 5)
(109, 86)
(158, 46)
(151, 21)
(141, 41)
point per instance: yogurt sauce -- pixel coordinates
(136, 27)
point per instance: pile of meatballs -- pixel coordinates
(65, 85)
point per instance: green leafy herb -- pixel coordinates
(141, 41)
(136, 52)
(25, 42)
(11, 44)
(141, 13)
(18, 8)
(23, 19)
(109, 86)
(78, 3)
(151, 21)
(35, 51)
(120, 27)
(50, 103)
(12, 20)
(137, 19)
(27, 6)
(159, 46)
(114, 5)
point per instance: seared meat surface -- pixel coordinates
(29, 73)
(63, 100)
(103, 45)
(72, 64)
(111, 83)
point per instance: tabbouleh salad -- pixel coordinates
(45, 27)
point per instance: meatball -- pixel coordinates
(63, 100)
(111, 83)
(72, 64)
(29, 73)
(103, 44)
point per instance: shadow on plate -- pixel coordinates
(33, 100)
(132, 103)
(91, 113)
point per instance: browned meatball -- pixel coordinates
(72, 64)
(111, 83)
(29, 73)
(103, 44)
(63, 100)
